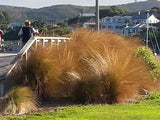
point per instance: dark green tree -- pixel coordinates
(6, 17)
(2, 17)
(62, 24)
(62, 31)
(38, 24)
(73, 20)
(112, 11)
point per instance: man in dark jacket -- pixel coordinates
(26, 32)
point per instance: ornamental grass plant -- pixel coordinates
(20, 100)
(93, 67)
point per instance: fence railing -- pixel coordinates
(36, 41)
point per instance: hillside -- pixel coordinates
(63, 12)
(57, 12)
(15, 13)
(145, 5)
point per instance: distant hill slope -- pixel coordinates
(63, 12)
(57, 12)
(145, 5)
(15, 13)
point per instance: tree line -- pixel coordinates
(4, 17)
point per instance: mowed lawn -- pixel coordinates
(143, 111)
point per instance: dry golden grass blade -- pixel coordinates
(20, 100)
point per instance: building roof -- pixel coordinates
(87, 14)
(138, 26)
(141, 16)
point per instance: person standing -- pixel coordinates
(1, 33)
(27, 32)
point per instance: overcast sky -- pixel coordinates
(44, 3)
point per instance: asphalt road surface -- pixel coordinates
(5, 60)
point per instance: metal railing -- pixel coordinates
(36, 40)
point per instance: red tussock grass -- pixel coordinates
(91, 67)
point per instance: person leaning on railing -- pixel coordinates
(27, 32)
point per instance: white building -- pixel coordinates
(142, 18)
(128, 30)
(14, 24)
(127, 24)
(86, 14)
(115, 24)
(88, 24)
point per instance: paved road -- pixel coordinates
(5, 60)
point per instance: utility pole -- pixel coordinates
(147, 22)
(97, 15)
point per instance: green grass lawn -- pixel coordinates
(149, 110)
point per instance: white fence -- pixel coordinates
(36, 40)
(51, 40)
(6, 83)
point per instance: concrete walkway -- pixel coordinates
(5, 60)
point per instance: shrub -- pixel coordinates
(153, 98)
(150, 59)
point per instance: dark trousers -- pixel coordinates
(23, 43)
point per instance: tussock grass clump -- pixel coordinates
(20, 100)
(92, 67)
(109, 59)
(40, 73)
(111, 80)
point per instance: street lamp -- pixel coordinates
(97, 15)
